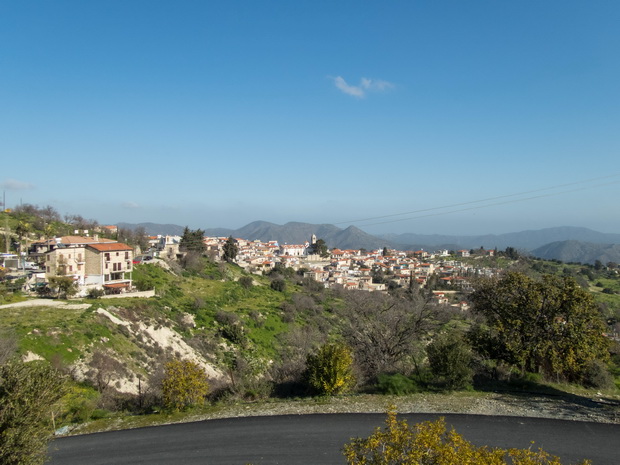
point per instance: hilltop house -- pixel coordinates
(109, 266)
(103, 264)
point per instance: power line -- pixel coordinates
(481, 206)
(483, 200)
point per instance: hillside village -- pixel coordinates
(101, 263)
(357, 268)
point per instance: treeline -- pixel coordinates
(27, 223)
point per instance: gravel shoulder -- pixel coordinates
(569, 407)
(599, 409)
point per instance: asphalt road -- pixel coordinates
(318, 439)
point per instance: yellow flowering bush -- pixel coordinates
(430, 443)
(184, 385)
(330, 370)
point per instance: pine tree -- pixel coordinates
(230, 250)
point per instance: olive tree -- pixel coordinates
(64, 286)
(550, 326)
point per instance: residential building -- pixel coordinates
(109, 266)
(101, 264)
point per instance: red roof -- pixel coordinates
(117, 246)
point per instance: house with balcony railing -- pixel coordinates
(92, 263)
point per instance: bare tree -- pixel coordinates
(81, 223)
(295, 346)
(383, 329)
(104, 369)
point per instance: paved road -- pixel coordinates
(318, 439)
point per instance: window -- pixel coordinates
(107, 257)
(126, 255)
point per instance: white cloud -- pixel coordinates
(130, 205)
(347, 89)
(15, 185)
(365, 85)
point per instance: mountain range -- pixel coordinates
(570, 244)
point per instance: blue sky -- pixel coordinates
(408, 115)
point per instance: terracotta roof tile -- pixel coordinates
(117, 246)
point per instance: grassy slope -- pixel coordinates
(68, 334)
(65, 335)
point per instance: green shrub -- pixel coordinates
(278, 285)
(94, 293)
(534, 378)
(231, 327)
(596, 375)
(397, 384)
(450, 358)
(99, 414)
(28, 392)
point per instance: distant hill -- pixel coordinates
(298, 233)
(562, 243)
(525, 240)
(289, 233)
(577, 251)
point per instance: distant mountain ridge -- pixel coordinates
(577, 251)
(582, 244)
(525, 240)
(289, 233)
(298, 233)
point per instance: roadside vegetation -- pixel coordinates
(431, 443)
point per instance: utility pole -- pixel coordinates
(6, 233)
